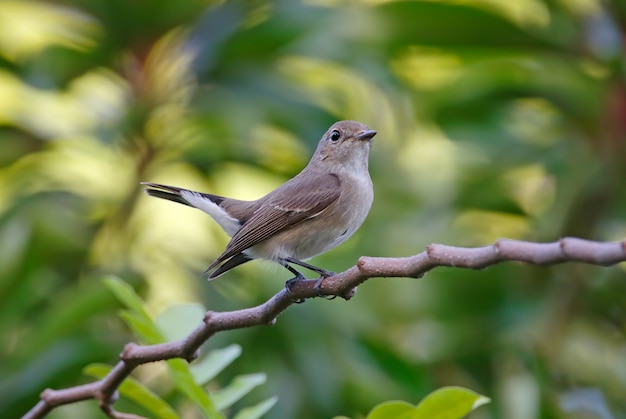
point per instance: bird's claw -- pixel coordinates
(290, 282)
(318, 287)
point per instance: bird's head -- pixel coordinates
(346, 144)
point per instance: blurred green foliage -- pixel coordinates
(495, 119)
(189, 384)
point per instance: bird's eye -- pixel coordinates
(334, 136)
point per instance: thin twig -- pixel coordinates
(341, 285)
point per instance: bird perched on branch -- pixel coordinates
(313, 212)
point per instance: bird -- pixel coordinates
(313, 212)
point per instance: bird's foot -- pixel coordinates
(318, 286)
(325, 274)
(291, 282)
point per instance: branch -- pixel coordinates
(340, 285)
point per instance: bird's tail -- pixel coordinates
(211, 205)
(172, 193)
(222, 266)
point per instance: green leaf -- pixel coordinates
(213, 363)
(179, 320)
(258, 410)
(449, 403)
(392, 409)
(136, 317)
(142, 327)
(239, 387)
(137, 392)
(140, 321)
(127, 295)
(444, 403)
(186, 384)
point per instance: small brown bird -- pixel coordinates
(313, 212)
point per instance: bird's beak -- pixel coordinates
(366, 135)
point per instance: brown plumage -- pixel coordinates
(318, 209)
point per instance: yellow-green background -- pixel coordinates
(495, 119)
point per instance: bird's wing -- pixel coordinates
(292, 203)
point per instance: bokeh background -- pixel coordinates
(495, 119)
